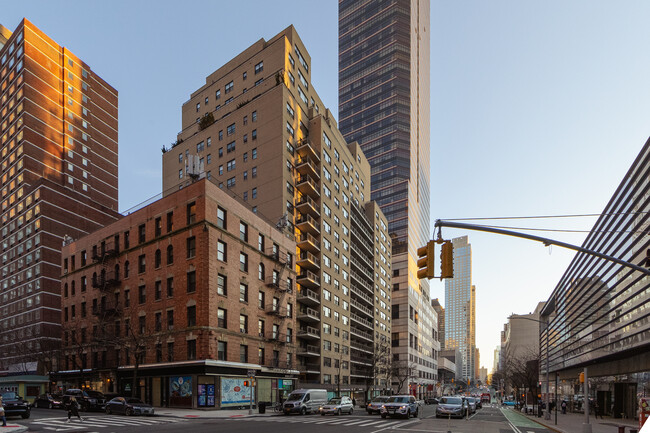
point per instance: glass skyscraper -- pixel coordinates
(384, 106)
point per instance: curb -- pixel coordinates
(14, 429)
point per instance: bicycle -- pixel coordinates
(277, 407)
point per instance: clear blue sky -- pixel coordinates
(537, 107)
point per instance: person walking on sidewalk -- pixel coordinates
(563, 406)
(73, 409)
(2, 413)
(597, 410)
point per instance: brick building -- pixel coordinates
(58, 141)
(194, 289)
(259, 130)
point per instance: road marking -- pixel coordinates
(370, 423)
(391, 424)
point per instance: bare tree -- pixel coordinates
(378, 365)
(400, 372)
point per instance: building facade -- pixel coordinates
(59, 179)
(597, 313)
(440, 311)
(193, 291)
(460, 307)
(384, 106)
(259, 131)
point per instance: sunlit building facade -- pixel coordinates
(384, 106)
(58, 142)
(597, 314)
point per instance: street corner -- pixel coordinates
(13, 428)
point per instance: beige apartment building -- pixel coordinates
(259, 130)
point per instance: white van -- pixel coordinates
(304, 401)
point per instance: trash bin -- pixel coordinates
(262, 406)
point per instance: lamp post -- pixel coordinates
(547, 412)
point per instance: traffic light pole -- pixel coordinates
(545, 241)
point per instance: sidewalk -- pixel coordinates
(196, 413)
(12, 427)
(572, 423)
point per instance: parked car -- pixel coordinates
(430, 400)
(15, 405)
(375, 404)
(451, 407)
(479, 403)
(100, 397)
(304, 401)
(85, 400)
(404, 405)
(472, 404)
(337, 405)
(50, 401)
(128, 406)
(509, 403)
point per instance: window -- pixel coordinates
(170, 254)
(229, 87)
(254, 153)
(126, 240)
(230, 147)
(244, 76)
(243, 231)
(260, 271)
(191, 281)
(141, 264)
(157, 259)
(243, 262)
(243, 353)
(260, 242)
(221, 218)
(254, 172)
(170, 319)
(217, 95)
(230, 165)
(222, 350)
(222, 318)
(191, 213)
(170, 287)
(231, 129)
(126, 269)
(142, 324)
(191, 247)
(222, 288)
(142, 294)
(243, 323)
(259, 67)
(191, 349)
(254, 193)
(261, 299)
(243, 292)
(158, 226)
(254, 134)
(158, 290)
(191, 315)
(290, 111)
(141, 233)
(254, 116)
(221, 251)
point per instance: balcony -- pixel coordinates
(105, 251)
(363, 296)
(364, 360)
(362, 278)
(309, 332)
(307, 185)
(308, 297)
(362, 268)
(307, 166)
(308, 279)
(307, 205)
(307, 314)
(360, 371)
(363, 309)
(106, 312)
(309, 350)
(357, 241)
(307, 223)
(307, 242)
(365, 322)
(309, 368)
(276, 336)
(307, 260)
(361, 334)
(304, 148)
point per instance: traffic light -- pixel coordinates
(447, 260)
(582, 377)
(426, 260)
(247, 383)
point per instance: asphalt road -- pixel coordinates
(486, 420)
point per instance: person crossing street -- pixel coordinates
(73, 409)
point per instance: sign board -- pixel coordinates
(251, 373)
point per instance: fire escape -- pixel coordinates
(105, 256)
(277, 309)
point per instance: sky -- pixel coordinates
(537, 108)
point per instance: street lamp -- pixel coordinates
(547, 412)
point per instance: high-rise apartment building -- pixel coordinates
(384, 106)
(460, 307)
(58, 142)
(259, 130)
(440, 312)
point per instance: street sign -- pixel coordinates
(251, 373)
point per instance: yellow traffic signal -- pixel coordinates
(447, 260)
(426, 260)
(582, 377)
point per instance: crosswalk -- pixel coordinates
(91, 422)
(371, 422)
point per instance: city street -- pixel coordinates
(486, 420)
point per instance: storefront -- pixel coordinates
(27, 386)
(207, 384)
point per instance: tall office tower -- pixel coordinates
(259, 130)
(460, 307)
(59, 180)
(384, 106)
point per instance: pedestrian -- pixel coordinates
(73, 409)
(597, 410)
(564, 406)
(2, 413)
(354, 402)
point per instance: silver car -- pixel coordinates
(337, 406)
(375, 404)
